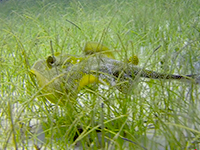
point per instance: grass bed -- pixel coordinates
(156, 114)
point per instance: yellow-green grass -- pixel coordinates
(154, 110)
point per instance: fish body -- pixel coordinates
(64, 77)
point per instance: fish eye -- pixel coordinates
(50, 61)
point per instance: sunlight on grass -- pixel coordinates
(154, 114)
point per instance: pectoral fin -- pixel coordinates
(86, 80)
